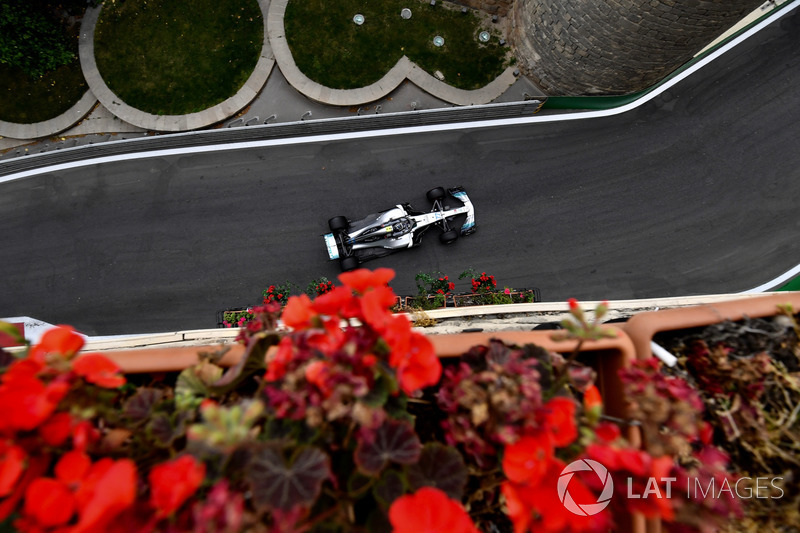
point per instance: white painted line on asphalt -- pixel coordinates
(417, 129)
(775, 283)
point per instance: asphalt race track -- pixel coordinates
(695, 192)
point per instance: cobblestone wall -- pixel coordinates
(585, 47)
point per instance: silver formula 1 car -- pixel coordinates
(379, 234)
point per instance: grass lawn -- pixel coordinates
(26, 100)
(331, 49)
(170, 57)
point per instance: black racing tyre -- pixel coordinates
(448, 237)
(338, 224)
(435, 194)
(348, 263)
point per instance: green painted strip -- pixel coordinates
(793, 285)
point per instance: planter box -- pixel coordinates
(641, 328)
(221, 316)
(409, 301)
(470, 300)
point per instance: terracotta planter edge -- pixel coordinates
(642, 327)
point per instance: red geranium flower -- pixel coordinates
(592, 399)
(334, 302)
(56, 430)
(527, 460)
(298, 313)
(318, 372)
(12, 464)
(362, 279)
(72, 467)
(108, 489)
(98, 369)
(83, 435)
(634, 461)
(604, 454)
(171, 483)
(375, 306)
(421, 367)
(98, 492)
(276, 366)
(48, 502)
(560, 421)
(60, 340)
(608, 432)
(539, 508)
(429, 510)
(26, 402)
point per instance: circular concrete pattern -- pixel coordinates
(167, 123)
(46, 128)
(404, 69)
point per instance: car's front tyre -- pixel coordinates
(348, 263)
(448, 237)
(435, 194)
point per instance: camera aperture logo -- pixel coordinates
(585, 509)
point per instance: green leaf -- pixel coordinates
(397, 408)
(378, 394)
(12, 331)
(280, 484)
(160, 430)
(394, 441)
(251, 363)
(441, 467)
(388, 488)
(358, 484)
(195, 381)
(165, 429)
(286, 431)
(139, 407)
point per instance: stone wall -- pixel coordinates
(587, 47)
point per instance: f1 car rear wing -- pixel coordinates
(461, 195)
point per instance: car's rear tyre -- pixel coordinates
(348, 263)
(448, 237)
(435, 194)
(338, 224)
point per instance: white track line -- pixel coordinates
(775, 283)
